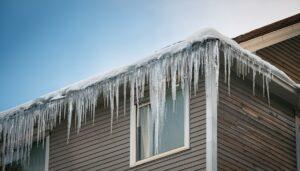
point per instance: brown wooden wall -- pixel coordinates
(252, 135)
(285, 56)
(96, 149)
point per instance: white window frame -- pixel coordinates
(186, 146)
(47, 146)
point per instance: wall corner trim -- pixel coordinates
(211, 90)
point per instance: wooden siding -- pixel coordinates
(252, 135)
(285, 56)
(94, 148)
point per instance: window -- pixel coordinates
(172, 135)
(38, 160)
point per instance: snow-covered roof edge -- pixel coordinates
(201, 35)
(182, 62)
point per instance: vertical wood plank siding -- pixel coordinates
(94, 148)
(252, 135)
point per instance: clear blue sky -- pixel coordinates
(46, 45)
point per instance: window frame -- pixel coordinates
(133, 132)
(47, 146)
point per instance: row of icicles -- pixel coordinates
(164, 71)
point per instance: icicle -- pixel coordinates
(132, 107)
(94, 104)
(263, 84)
(117, 97)
(173, 80)
(137, 94)
(202, 59)
(228, 56)
(124, 98)
(196, 70)
(267, 87)
(182, 64)
(225, 65)
(59, 113)
(253, 81)
(79, 113)
(143, 83)
(157, 89)
(65, 109)
(111, 102)
(70, 110)
(190, 58)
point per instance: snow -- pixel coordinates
(182, 63)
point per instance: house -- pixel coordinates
(204, 103)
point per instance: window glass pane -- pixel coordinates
(146, 135)
(35, 163)
(37, 158)
(173, 129)
(171, 133)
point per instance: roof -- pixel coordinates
(277, 43)
(268, 28)
(201, 35)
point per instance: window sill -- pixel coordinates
(177, 150)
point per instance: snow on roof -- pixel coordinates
(201, 35)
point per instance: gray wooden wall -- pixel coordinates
(252, 135)
(94, 148)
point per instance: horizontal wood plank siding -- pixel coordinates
(285, 56)
(252, 135)
(95, 148)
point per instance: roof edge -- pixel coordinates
(268, 28)
(202, 35)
